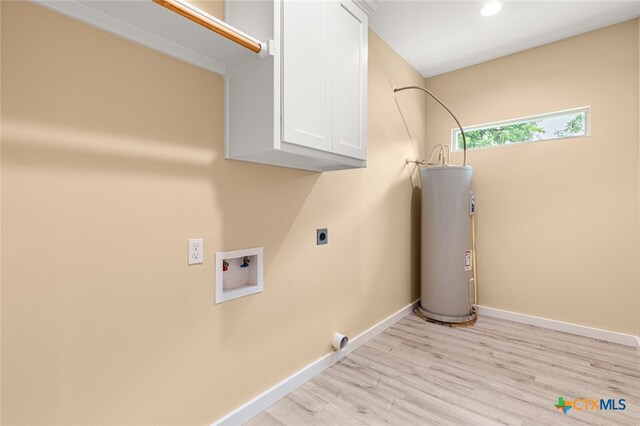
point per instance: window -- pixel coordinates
(555, 125)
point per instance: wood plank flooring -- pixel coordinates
(494, 373)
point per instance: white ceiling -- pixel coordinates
(440, 36)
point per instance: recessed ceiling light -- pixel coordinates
(490, 9)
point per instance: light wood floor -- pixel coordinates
(496, 372)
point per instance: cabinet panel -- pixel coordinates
(305, 79)
(350, 85)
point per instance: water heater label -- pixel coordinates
(467, 260)
(472, 203)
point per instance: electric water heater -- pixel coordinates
(446, 281)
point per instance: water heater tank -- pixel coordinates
(446, 281)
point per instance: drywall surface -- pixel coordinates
(557, 221)
(112, 158)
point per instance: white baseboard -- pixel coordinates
(638, 344)
(566, 327)
(261, 402)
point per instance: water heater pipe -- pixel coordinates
(464, 138)
(443, 155)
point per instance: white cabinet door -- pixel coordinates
(305, 106)
(306, 80)
(349, 30)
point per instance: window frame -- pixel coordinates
(586, 110)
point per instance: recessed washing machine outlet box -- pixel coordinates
(322, 236)
(239, 273)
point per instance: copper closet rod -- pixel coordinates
(211, 23)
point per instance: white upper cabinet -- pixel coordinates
(312, 92)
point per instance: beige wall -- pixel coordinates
(558, 220)
(112, 157)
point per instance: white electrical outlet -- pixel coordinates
(196, 251)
